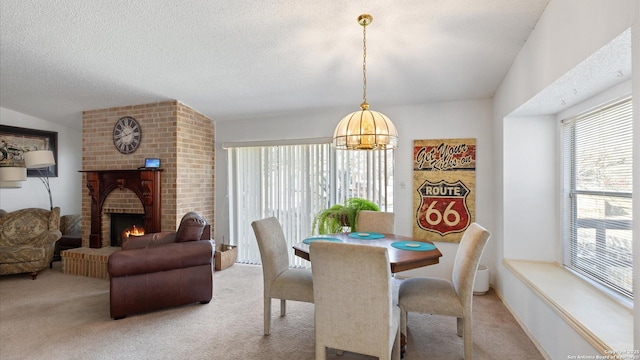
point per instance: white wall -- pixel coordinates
(66, 189)
(568, 32)
(530, 187)
(461, 119)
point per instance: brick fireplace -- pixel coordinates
(144, 184)
(180, 136)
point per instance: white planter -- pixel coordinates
(481, 284)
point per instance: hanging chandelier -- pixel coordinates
(365, 129)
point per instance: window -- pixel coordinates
(597, 170)
(293, 183)
(366, 174)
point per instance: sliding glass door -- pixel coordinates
(294, 182)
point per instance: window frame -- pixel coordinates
(571, 223)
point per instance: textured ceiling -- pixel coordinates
(243, 58)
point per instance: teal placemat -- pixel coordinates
(320, 238)
(413, 245)
(366, 235)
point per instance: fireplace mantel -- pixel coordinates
(144, 183)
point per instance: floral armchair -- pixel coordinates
(27, 239)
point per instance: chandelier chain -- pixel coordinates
(364, 63)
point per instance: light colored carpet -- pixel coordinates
(59, 316)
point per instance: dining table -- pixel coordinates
(405, 253)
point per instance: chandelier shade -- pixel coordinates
(365, 129)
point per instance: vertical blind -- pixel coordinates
(366, 174)
(597, 168)
(293, 183)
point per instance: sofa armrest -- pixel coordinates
(149, 240)
(161, 258)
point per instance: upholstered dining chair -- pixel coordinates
(354, 310)
(375, 221)
(449, 298)
(280, 281)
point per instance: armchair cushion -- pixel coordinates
(28, 226)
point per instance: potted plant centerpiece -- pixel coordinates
(337, 217)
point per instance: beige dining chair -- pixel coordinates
(280, 281)
(354, 310)
(449, 298)
(375, 221)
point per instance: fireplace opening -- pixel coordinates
(124, 225)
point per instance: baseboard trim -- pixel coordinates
(533, 339)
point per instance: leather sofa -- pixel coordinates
(27, 240)
(161, 270)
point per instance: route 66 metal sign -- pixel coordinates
(443, 207)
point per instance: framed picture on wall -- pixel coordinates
(15, 141)
(444, 178)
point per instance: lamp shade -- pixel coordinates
(10, 184)
(39, 159)
(365, 130)
(13, 173)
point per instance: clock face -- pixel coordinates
(127, 135)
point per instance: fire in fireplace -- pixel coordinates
(132, 231)
(125, 225)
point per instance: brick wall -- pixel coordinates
(181, 137)
(194, 163)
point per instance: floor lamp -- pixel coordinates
(11, 177)
(41, 160)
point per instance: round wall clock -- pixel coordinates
(127, 135)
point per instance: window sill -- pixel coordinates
(602, 321)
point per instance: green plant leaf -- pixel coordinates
(333, 219)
